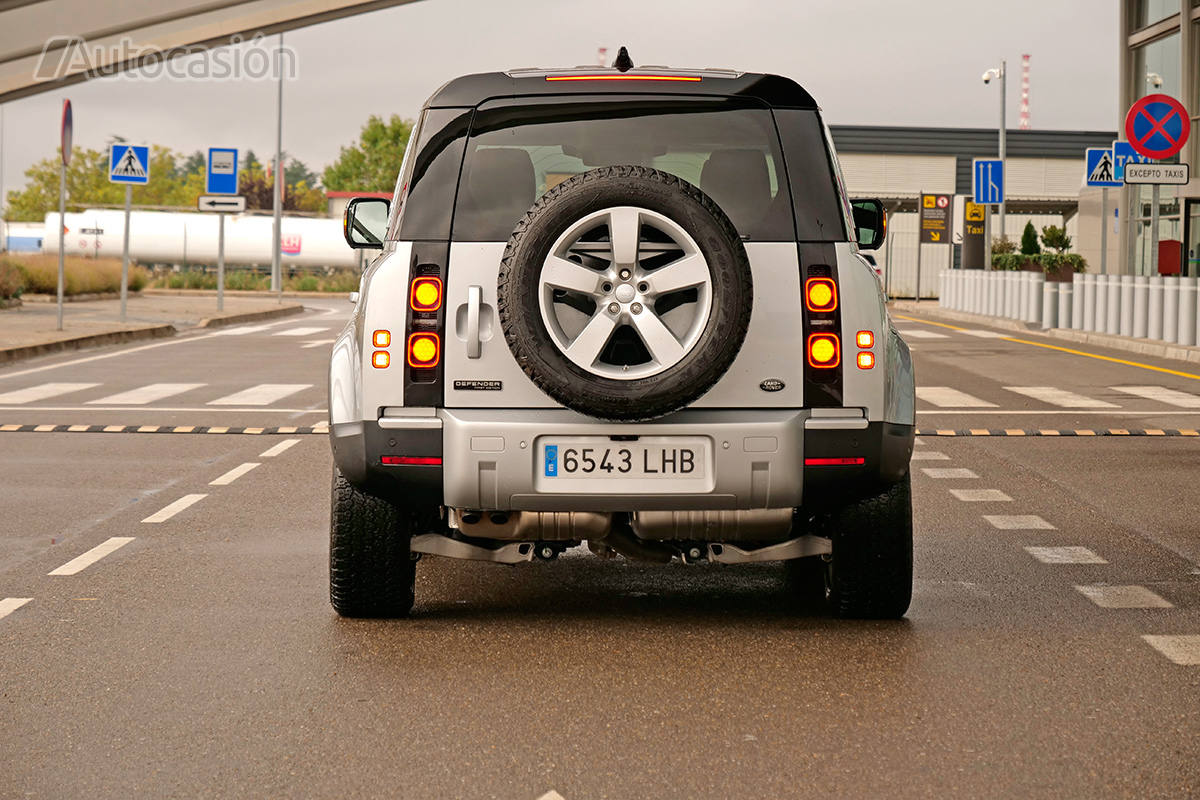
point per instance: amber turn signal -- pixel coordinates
(865, 339)
(866, 360)
(380, 359)
(382, 338)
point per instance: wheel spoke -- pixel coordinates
(591, 340)
(563, 274)
(624, 228)
(685, 273)
(657, 337)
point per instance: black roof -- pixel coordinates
(471, 90)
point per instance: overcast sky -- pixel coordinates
(873, 62)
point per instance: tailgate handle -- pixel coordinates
(474, 300)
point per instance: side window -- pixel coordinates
(847, 210)
(423, 204)
(816, 184)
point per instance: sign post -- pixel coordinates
(130, 165)
(221, 179)
(65, 134)
(1157, 127)
(1101, 170)
(987, 189)
(934, 226)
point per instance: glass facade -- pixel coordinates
(1151, 11)
(1156, 68)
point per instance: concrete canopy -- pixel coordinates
(46, 44)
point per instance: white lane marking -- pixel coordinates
(980, 495)
(164, 514)
(945, 397)
(317, 343)
(125, 352)
(1060, 397)
(300, 331)
(42, 391)
(929, 455)
(551, 795)
(1018, 522)
(948, 473)
(146, 394)
(242, 330)
(984, 334)
(918, 441)
(11, 604)
(921, 334)
(279, 448)
(1107, 596)
(1162, 394)
(80, 563)
(1116, 412)
(261, 395)
(245, 410)
(1064, 555)
(233, 474)
(1181, 649)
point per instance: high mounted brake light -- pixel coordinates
(690, 78)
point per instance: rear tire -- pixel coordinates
(870, 573)
(371, 570)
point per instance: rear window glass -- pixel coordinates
(730, 151)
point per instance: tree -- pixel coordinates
(297, 172)
(196, 162)
(1055, 238)
(1029, 240)
(373, 163)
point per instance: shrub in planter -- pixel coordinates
(1056, 239)
(1003, 246)
(1029, 240)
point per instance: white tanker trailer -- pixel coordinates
(161, 237)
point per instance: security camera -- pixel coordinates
(987, 76)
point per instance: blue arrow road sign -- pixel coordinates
(129, 163)
(1100, 170)
(1123, 153)
(222, 171)
(987, 182)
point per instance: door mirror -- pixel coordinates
(365, 222)
(870, 221)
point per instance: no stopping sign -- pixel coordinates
(1157, 126)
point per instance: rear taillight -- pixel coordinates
(426, 294)
(410, 461)
(824, 350)
(424, 350)
(820, 294)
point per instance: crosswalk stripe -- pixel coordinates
(921, 334)
(146, 394)
(1060, 397)
(949, 473)
(1182, 649)
(317, 343)
(261, 395)
(1162, 394)
(243, 330)
(1018, 522)
(984, 334)
(1064, 555)
(42, 391)
(11, 604)
(945, 397)
(300, 331)
(1107, 596)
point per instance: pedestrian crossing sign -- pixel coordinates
(129, 163)
(1100, 170)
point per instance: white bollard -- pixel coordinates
(1126, 294)
(1112, 318)
(1101, 292)
(1186, 326)
(1089, 302)
(1064, 304)
(1141, 305)
(995, 293)
(1077, 301)
(1049, 304)
(1022, 310)
(1035, 298)
(1154, 314)
(1170, 315)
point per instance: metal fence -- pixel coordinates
(1160, 307)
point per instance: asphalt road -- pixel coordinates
(198, 655)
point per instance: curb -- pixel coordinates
(249, 316)
(86, 297)
(10, 354)
(1145, 347)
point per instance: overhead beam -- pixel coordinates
(49, 44)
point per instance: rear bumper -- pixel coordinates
(489, 458)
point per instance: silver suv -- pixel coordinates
(623, 307)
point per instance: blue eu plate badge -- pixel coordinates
(551, 460)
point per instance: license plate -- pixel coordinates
(651, 464)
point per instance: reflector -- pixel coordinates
(865, 339)
(419, 461)
(382, 338)
(834, 462)
(380, 359)
(866, 360)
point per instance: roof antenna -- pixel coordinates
(623, 62)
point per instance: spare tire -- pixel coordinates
(625, 293)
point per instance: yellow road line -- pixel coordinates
(1064, 350)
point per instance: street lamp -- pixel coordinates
(1002, 74)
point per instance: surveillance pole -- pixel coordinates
(1003, 163)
